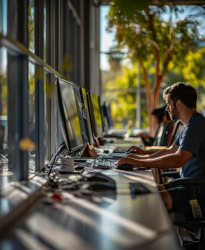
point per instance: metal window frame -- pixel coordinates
(59, 33)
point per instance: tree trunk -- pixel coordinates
(147, 92)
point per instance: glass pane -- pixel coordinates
(46, 119)
(32, 118)
(31, 25)
(3, 17)
(5, 174)
(45, 31)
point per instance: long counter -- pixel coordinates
(102, 220)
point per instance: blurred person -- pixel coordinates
(159, 117)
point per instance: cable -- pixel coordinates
(3, 160)
(60, 149)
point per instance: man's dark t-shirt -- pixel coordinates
(192, 139)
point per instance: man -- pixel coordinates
(188, 151)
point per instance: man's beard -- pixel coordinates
(174, 115)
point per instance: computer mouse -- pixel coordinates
(79, 167)
(127, 167)
(99, 181)
(132, 152)
(101, 186)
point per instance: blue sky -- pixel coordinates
(106, 38)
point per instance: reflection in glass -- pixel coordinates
(46, 118)
(4, 171)
(32, 120)
(31, 25)
(3, 103)
(3, 17)
(45, 31)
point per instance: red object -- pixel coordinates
(57, 197)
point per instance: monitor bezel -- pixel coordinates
(92, 115)
(102, 116)
(64, 128)
(78, 147)
(77, 91)
(90, 133)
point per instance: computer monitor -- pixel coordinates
(96, 115)
(81, 113)
(106, 109)
(63, 116)
(87, 116)
(104, 120)
(71, 114)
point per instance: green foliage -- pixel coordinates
(120, 92)
(194, 68)
(3, 93)
(158, 41)
(145, 31)
(31, 27)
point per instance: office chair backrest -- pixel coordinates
(164, 134)
(167, 133)
(177, 129)
(158, 134)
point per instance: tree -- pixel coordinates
(120, 92)
(152, 40)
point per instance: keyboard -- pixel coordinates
(120, 149)
(118, 154)
(103, 164)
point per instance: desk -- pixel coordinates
(105, 221)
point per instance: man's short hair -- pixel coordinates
(182, 91)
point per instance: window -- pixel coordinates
(44, 31)
(32, 118)
(31, 26)
(46, 117)
(3, 17)
(54, 32)
(3, 113)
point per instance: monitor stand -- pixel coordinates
(89, 151)
(96, 141)
(101, 141)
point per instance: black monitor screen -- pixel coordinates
(81, 114)
(87, 115)
(105, 129)
(71, 114)
(64, 117)
(97, 114)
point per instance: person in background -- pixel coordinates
(159, 117)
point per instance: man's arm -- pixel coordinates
(170, 150)
(174, 160)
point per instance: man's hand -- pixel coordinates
(136, 149)
(125, 160)
(132, 156)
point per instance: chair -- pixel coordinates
(193, 185)
(171, 139)
(168, 136)
(177, 129)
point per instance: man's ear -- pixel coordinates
(179, 104)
